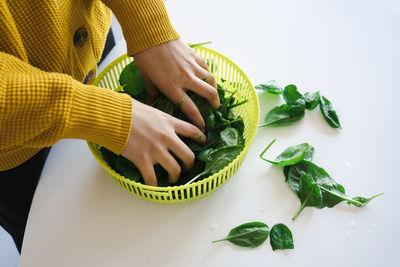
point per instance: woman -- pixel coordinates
(48, 55)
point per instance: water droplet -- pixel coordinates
(214, 227)
(370, 232)
(353, 224)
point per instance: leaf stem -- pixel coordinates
(263, 124)
(219, 240)
(238, 104)
(199, 44)
(230, 122)
(303, 205)
(265, 150)
(230, 97)
(344, 197)
(196, 177)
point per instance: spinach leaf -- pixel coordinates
(162, 175)
(312, 100)
(164, 104)
(108, 156)
(226, 105)
(205, 155)
(220, 158)
(329, 113)
(284, 115)
(211, 121)
(286, 170)
(231, 137)
(332, 192)
(270, 87)
(131, 80)
(292, 97)
(127, 169)
(201, 103)
(362, 201)
(281, 237)
(291, 155)
(213, 137)
(309, 194)
(238, 124)
(249, 235)
(221, 93)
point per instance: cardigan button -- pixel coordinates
(89, 77)
(80, 37)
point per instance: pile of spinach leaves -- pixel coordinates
(296, 104)
(311, 183)
(224, 131)
(253, 234)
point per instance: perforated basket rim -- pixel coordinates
(166, 192)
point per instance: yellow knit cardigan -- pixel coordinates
(44, 57)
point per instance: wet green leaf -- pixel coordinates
(131, 80)
(270, 87)
(293, 97)
(281, 237)
(291, 155)
(249, 235)
(312, 100)
(283, 115)
(329, 113)
(309, 194)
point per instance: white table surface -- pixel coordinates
(350, 51)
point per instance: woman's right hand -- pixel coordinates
(154, 139)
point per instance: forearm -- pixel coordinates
(39, 108)
(144, 23)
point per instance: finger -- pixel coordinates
(206, 76)
(189, 108)
(201, 62)
(186, 129)
(169, 163)
(211, 80)
(147, 171)
(183, 152)
(205, 90)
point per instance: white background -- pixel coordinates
(350, 51)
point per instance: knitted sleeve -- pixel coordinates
(38, 108)
(145, 23)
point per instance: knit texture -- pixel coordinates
(42, 98)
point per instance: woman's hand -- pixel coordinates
(172, 68)
(154, 139)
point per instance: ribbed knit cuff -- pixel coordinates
(101, 116)
(145, 23)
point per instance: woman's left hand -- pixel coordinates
(172, 68)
